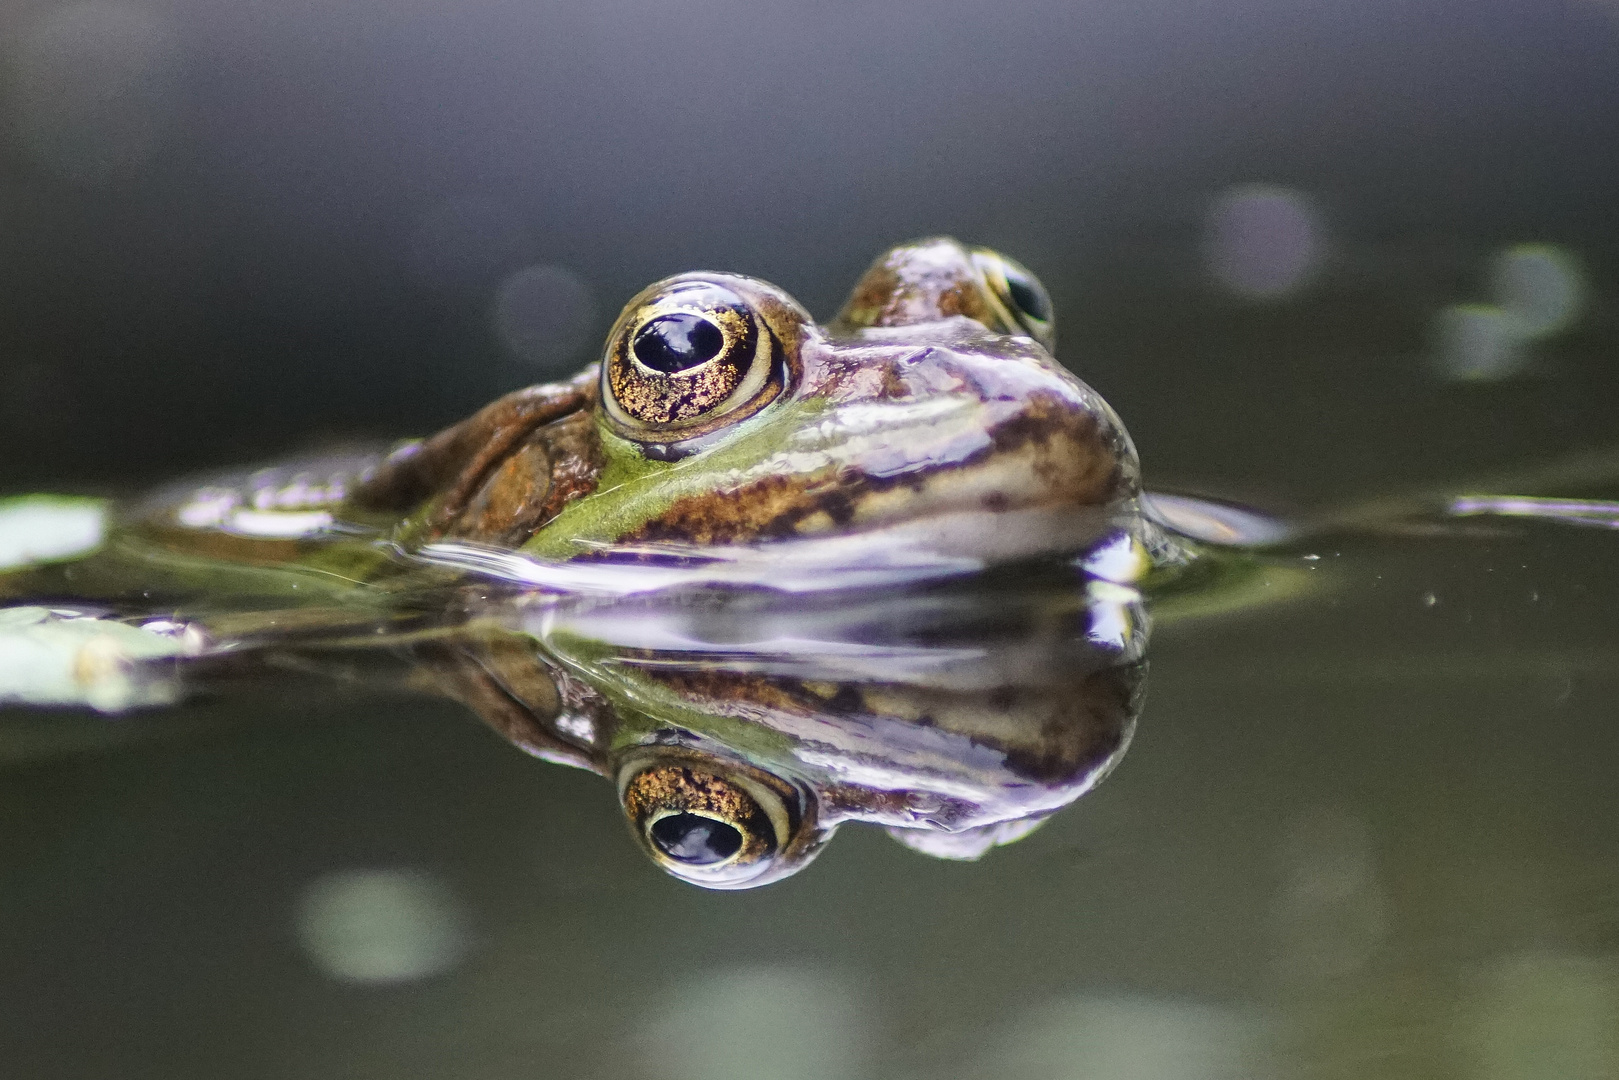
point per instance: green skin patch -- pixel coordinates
(633, 489)
(644, 705)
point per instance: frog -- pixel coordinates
(727, 462)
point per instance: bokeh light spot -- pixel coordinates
(1126, 1037)
(1262, 241)
(1478, 342)
(1330, 907)
(95, 86)
(544, 315)
(1544, 1014)
(758, 1024)
(381, 926)
(1539, 287)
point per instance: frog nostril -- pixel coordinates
(690, 838)
(677, 341)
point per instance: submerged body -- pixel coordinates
(740, 568)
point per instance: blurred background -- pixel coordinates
(1272, 227)
(1310, 251)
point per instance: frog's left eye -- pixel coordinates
(1020, 292)
(713, 823)
(691, 355)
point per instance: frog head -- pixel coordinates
(931, 407)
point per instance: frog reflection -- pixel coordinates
(742, 724)
(764, 575)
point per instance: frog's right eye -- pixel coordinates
(1020, 292)
(693, 354)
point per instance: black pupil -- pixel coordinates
(697, 840)
(1028, 296)
(672, 343)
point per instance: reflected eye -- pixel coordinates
(712, 822)
(692, 838)
(689, 356)
(1021, 293)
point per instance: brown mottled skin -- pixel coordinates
(557, 463)
(536, 439)
(1077, 461)
(918, 283)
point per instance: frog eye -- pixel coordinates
(1020, 292)
(688, 356)
(676, 342)
(708, 822)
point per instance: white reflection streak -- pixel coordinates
(1122, 560)
(1213, 522)
(278, 525)
(1598, 514)
(638, 631)
(219, 510)
(809, 567)
(1113, 609)
(868, 771)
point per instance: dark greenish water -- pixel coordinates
(1367, 833)
(1312, 254)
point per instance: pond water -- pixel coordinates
(1369, 831)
